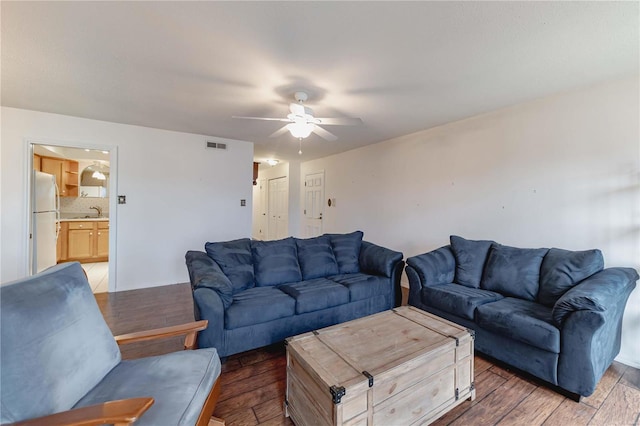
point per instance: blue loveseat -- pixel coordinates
(553, 313)
(255, 293)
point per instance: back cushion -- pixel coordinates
(235, 260)
(470, 259)
(56, 346)
(346, 249)
(276, 262)
(513, 271)
(316, 258)
(563, 269)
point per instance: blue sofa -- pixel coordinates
(552, 313)
(255, 293)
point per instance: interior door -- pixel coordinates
(278, 200)
(313, 204)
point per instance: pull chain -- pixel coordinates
(300, 149)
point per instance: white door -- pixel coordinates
(278, 200)
(313, 204)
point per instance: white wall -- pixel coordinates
(179, 193)
(562, 171)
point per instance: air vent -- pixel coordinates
(216, 145)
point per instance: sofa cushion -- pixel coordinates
(179, 383)
(346, 249)
(562, 269)
(235, 260)
(457, 299)
(364, 286)
(317, 294)
(316, 258)
(513, 271)
(257, 305)
(276, 262)
(470, 257)
(522, 320)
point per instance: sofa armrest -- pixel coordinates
(591, 330)
(599, 292)
(188, 329)
(208, 306)
(376, 260)
(121, 412)
(433, 268)
(205, 272)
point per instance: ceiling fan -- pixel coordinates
(301, 121)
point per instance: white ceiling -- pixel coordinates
(400, 66)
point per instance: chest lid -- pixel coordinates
(350, 355)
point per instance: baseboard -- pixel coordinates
(627, 361)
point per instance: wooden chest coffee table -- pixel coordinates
(399, 367)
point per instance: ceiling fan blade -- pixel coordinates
(297, 109)
(324, 134)
(279, 132)
(345, 121)
(263, 118)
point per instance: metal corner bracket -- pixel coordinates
(337, 392)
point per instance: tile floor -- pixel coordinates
(98, 274)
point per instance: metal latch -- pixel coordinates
(457, 394)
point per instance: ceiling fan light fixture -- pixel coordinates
(300, 130)
(272, 162)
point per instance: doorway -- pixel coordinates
(84, 177)
(313, 204)
(278, 202)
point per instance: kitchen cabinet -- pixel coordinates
(66, 173)
(37, 163)
(86, 241)
(102, 243)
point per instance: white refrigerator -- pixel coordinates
(46, 217)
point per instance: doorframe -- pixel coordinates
(113, 198)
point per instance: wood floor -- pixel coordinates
(253, 382)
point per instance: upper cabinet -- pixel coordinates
(94, 180)
(65, 171)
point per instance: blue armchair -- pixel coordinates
(61, 365)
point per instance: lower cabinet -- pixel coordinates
(102, 240)
(87, 241)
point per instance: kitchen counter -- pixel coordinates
(83, 219)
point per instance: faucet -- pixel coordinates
(98, 209)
